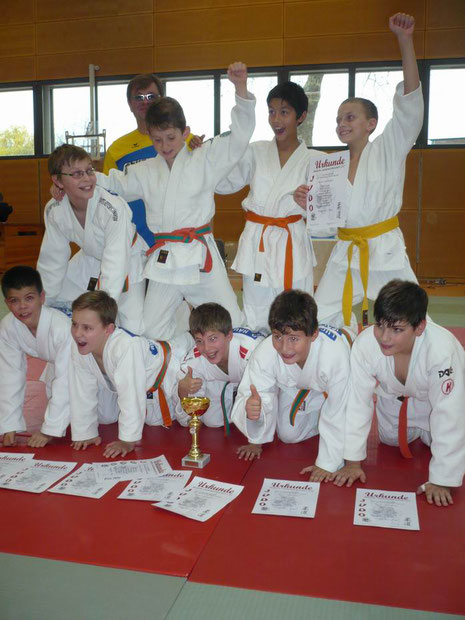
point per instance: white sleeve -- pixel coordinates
(226, 151)
(12, 387)
(116, 254)
(53, 259)
(331, 425)
(57, 413)
(125, 184)
(261, 376)
(83, 399)
(359, 412)
(130, 384)
(239, 176)
(447, 421)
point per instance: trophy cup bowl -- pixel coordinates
(195, 407)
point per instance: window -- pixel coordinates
(196, 97)
(446, 123)
(325, 91)
(379, 87)
(260, 86)
(16, 122)
(113, 111)
(67, 108)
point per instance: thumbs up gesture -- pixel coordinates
(189, 385)
(253, 406)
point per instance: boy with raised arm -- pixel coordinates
(112, 255)
(214, 367)
(38, 331)
(116, 376)
(275, 251)
(296, 382)
(371, 249)
(417, 370)
(178, 188)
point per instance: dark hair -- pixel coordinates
(19, 277)
(164, 113)
(210, 317)
(144, 80)
(401, 300)
(66, 154)
(371, 111)
(293, 94)
(100, 302)
(296, 310)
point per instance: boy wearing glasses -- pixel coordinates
(111, 257)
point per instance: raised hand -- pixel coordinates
(253, 406)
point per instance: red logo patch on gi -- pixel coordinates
(447, 386)
(196, 352)
(243, 352)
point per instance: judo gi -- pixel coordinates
(185, 263)
(286, 408)
(51, 343)
(375, 197)
(111, 253)
(435, 388)
(268, 252)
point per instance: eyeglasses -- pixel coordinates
(78, 174)
(147, 97)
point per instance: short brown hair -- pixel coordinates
(294, 310)
(66, 154)
(100, 302)
(210, 317)
(164, 113)
(143, 80)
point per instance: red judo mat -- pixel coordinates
(325, 557)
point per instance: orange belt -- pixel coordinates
(185, 235)
(402, 431)
(280, 222)
(157, 386)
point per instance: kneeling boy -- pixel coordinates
(420, 368)
(214, 367)
(112, 375)
(38, 331)
(296, 382)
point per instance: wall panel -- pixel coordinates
(17, 40)
(17, 69)
(94, 34)
(51, 10)
(445, 43)
(345, 48)
(114, 62)
(443, 172)
(218, 55)
(442, 250)
(20, 187)
(16, 12)
(227, 24)
(445, 14)
(177, 5)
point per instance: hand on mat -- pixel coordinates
(39, 440)
(82, 445)
(249, 452)
(253, 405)
(300, 196)
(317, 474)
(118, 448)
(189, 385)
(57, 193)
(349, 474)
(436, 494)
(9, 439)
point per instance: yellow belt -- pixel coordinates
(359, 237)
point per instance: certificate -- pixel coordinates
(131, 470)
(37, 476)
(287, 498)
(161, 488)
(392, 509)
(11, 462)
(84, 484)
(202, 498)
(327, 196)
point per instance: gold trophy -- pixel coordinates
(195, 406)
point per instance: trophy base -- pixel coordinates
(188, 461)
